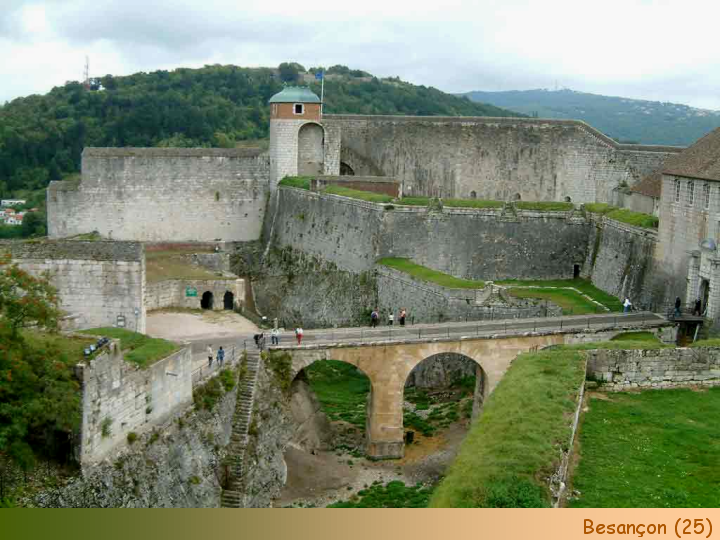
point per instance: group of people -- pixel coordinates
(220, 356)
(375, 317)
(697, 308)
(275, 337)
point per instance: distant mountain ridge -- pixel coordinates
(623, 119)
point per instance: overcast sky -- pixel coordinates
(665, 50)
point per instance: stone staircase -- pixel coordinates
(232, 496)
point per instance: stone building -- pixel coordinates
(690, 224)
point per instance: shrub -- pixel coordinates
(302, 182)
(132, 437)
(106, 427)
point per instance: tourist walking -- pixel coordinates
(210, 355)
(374, 318)
(256, 339)
(261, 342)
(220, 357)
(391, 318)
(627, 304)
(403, 314)
(678, 304)
(698, 308)
(275, 336)
(299, 335)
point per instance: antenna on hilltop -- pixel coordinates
(86, 73)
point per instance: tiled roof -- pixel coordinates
(701, 160)
(650, 186)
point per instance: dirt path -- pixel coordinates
(191, 326)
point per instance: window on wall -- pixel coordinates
(677, 190)
(691, 193)
(298, 108)
(706, 195)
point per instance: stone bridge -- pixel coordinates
(388, 355)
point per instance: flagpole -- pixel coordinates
(322, 91)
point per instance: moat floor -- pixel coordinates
(191, 326)
(326, 477)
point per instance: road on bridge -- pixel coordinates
(447, 330)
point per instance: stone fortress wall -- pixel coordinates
(120, 398)
(163, 194)
(99, 283)
(486, 244)
(493, 158)
(468, 243)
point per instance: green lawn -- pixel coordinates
(426, 274)
(302, 182)
(571, 302)
(138, 348)
(392, 495)
(657, 448)
(514, 444)
(357, 194)
(545, 206)
(623, 215)
(713, 342)
(342, 390)
(647, 337)
(585, 286)
(60, 345)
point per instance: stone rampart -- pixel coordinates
(163, 194)
(120, 398)
(464, 242)
(491, 158)
(99, 283)
(654, 368)
(621, 261)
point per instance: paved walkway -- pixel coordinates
(457, 330)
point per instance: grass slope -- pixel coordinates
(138, 348)
(427, 274)
(650, 450)
(358, 194)
(173, 264)
(515, 443)
(583, 285)
(638, 219)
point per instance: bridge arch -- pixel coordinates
(444, 370)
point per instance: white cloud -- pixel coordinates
(651, 49)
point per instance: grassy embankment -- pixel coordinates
(623, 215)
(427, 274)
(173, 264)
(514, 445)
(69, 349)
(571, 302)
(137, 348)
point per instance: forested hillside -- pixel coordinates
(42, 137)
(626, 120)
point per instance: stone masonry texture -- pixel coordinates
(163, 194)
(97, 282)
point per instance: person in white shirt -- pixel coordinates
(627, 304)
(210, 355)
(275, 336)
(299, 334)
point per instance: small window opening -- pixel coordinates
(568, 199)
(473, 195)
(576, 271)
(299, 108)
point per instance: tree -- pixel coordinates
(39, 395)
(289, 72)
(33, 225)
(26, 300)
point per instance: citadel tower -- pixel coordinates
(296, 135)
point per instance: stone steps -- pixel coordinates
(242, 418)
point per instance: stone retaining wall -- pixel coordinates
(654, 368)
(119, 398)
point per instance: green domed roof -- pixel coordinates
(295, 94)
